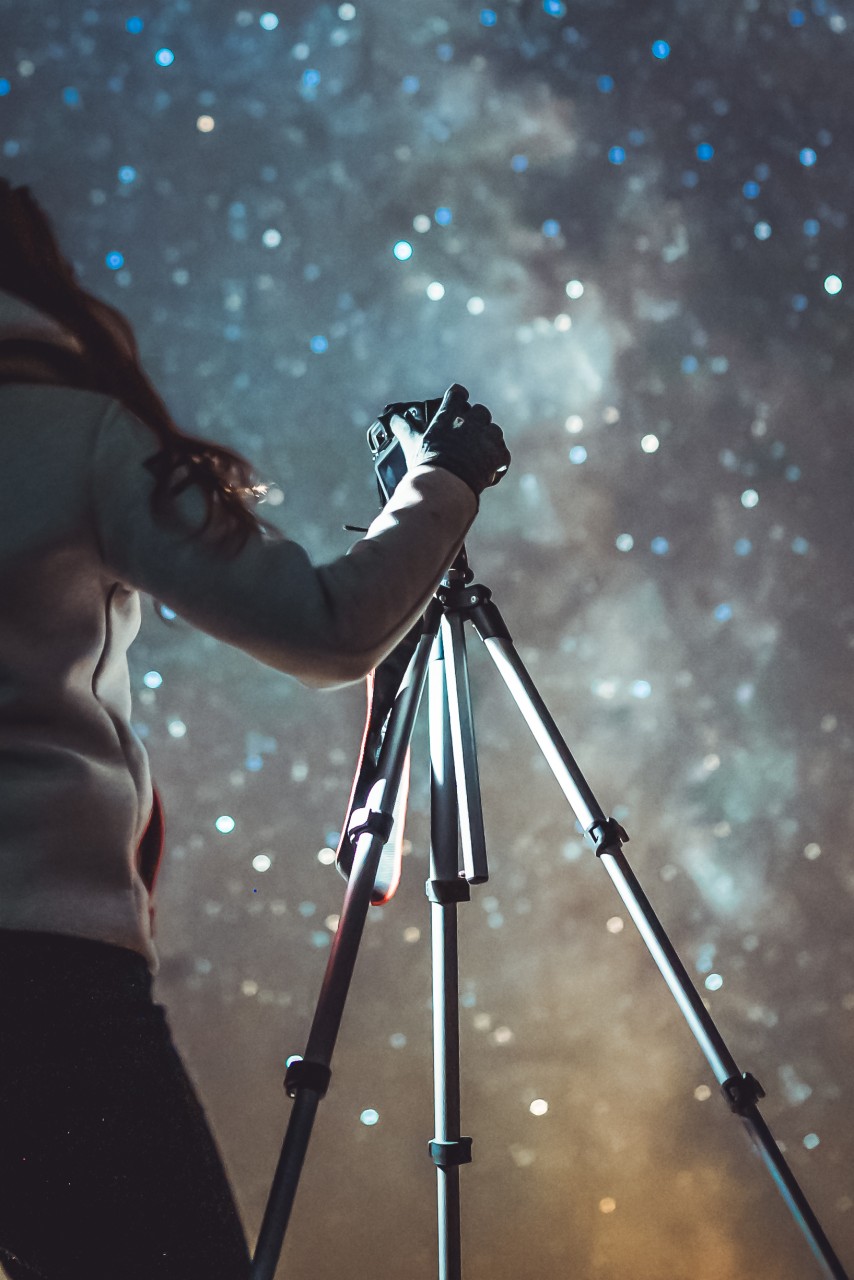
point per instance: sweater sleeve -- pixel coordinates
(326, 625)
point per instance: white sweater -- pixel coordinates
(78, 542)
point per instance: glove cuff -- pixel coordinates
(458, 466)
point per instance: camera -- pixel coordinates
(386, 449)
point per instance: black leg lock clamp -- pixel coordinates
(446, 892)
(307, 1075)
(448, 1154)
(374, 821)
(742, 1093)
(606, 834)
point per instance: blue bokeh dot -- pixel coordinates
(705, 151)
(605, 84)
(659, 546)
(551, 227)
(743, 547)
(5, 87)
(488, 17)
(617, 155)
(751, 190)
(319, 344)
(164, 57)
(661, 50)
(690, 364)
(443, 216)
(115, 260)
(519, 164)
(134, 26)
(723, 612)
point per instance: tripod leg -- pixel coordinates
(741, 1091)
(465, 752)
(445, 890)
(308, 1078)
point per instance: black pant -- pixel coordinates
(108, 1170)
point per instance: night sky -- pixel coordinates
(624, 227)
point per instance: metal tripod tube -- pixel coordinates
(444, 875)
(465, 753)
(591, 816)
(312, 1073)
(446, 1077)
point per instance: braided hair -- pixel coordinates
(33, 268)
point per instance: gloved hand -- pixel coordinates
(452, 434)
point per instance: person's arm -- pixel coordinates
(326, 625)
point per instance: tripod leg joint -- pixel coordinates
(447, 892)
(374, 821)
(742, 1093)
(302, 1074)
(607, 836)
(445, 1155)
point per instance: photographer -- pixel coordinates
(107, 1166)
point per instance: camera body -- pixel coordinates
(386, 449)
(389, 459)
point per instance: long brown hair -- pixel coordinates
(34, 269)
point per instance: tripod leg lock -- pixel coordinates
(605, 835)
(446, 892)
(445, 1155)
(742, 1093)
(374, 821)
(307, 1075)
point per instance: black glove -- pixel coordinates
(452, 434)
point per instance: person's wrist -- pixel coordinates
(457, 466)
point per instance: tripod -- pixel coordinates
(457, 837)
